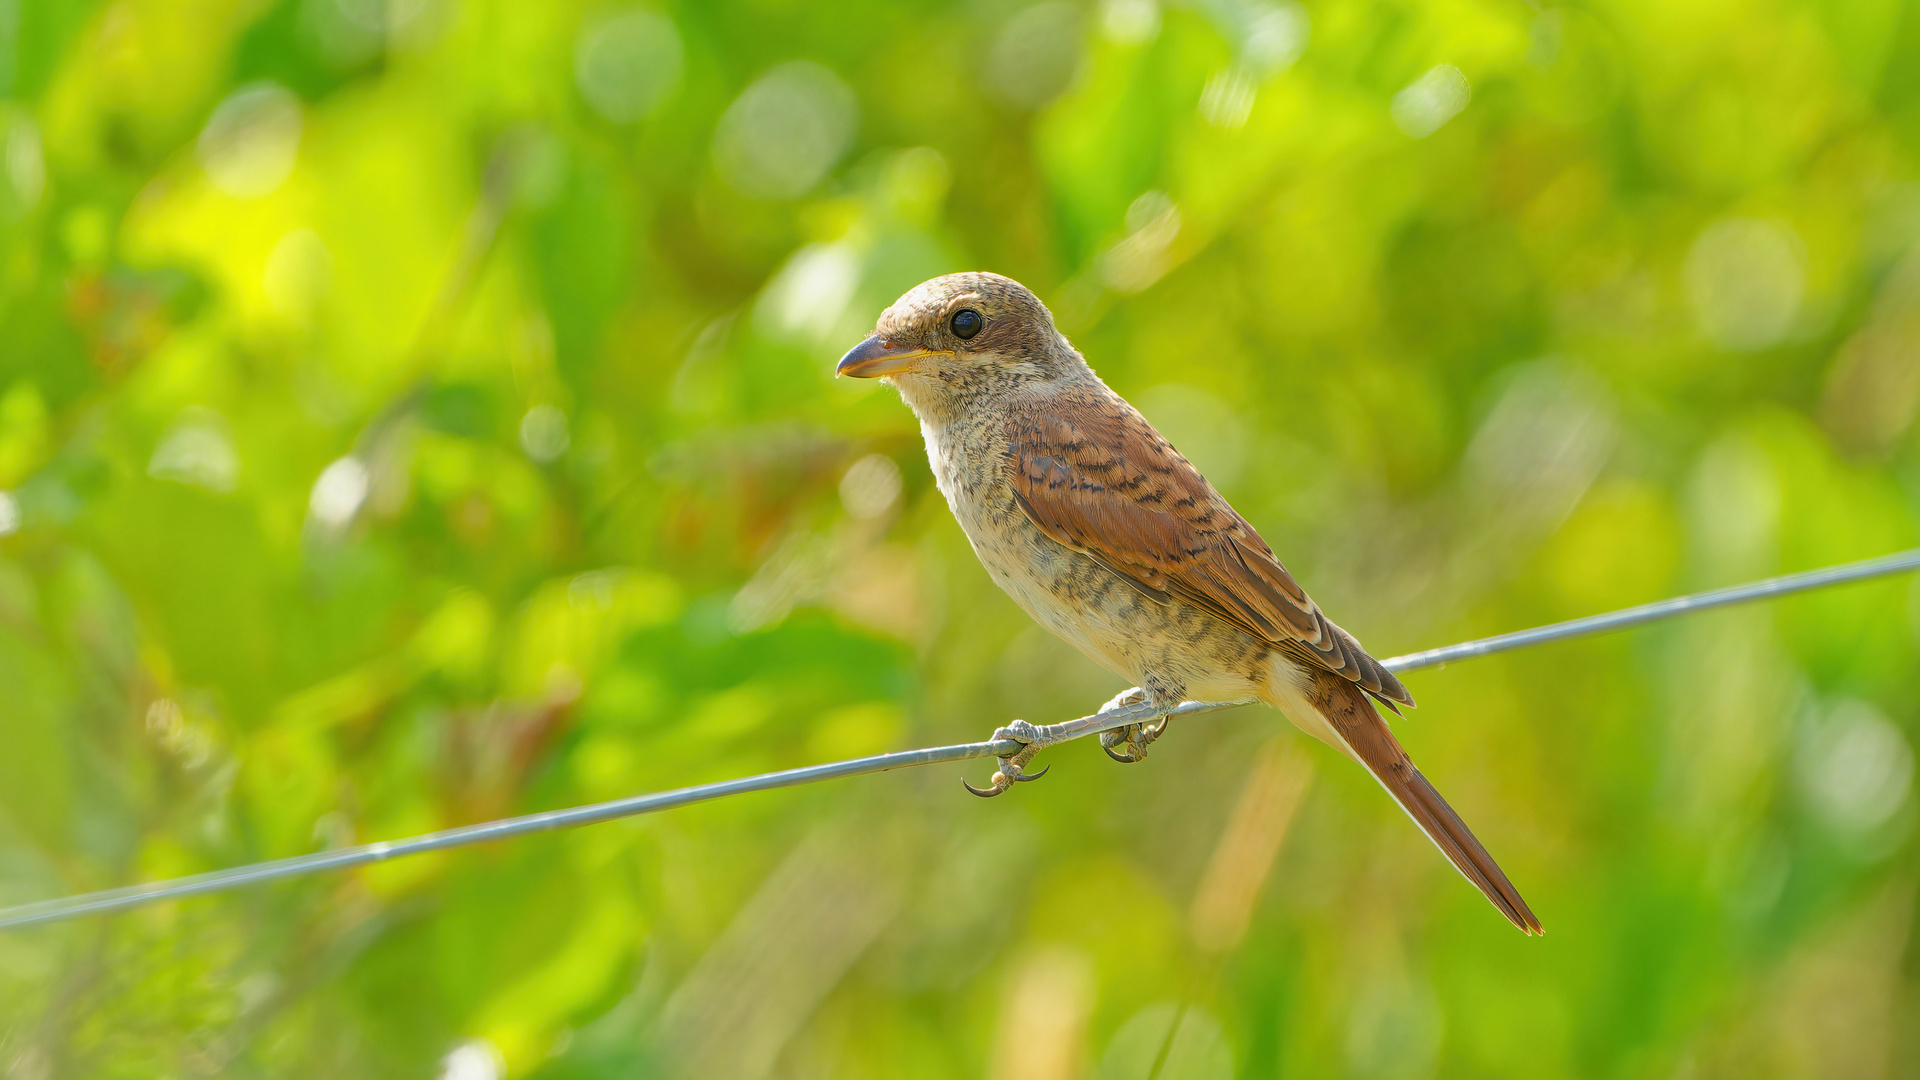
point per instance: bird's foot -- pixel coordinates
(1129, 744)
(1031, 741)
(1131, 740)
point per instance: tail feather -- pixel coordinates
(1347, 715)
(1451, 835)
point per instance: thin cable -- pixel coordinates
(1662, 609)
(111, 900)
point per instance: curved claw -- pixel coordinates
(1135, 737)
(1000, 784)
(1003, 779)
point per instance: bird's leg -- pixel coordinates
(1129, 744)
(1032, 740)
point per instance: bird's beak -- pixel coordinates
(877, 357)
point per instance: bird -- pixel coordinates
(1109, 538)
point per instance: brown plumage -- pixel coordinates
(1112, 540)
(1103, 482)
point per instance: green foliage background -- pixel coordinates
(417, 412)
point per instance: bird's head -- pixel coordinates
(964, 335)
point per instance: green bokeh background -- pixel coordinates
(414, 412)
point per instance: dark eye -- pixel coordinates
(966, 323)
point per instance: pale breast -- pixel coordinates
(1048, 581)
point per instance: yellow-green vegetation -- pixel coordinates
(414, 412)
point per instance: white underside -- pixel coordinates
(1286, 692)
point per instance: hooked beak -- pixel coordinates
(876, 358)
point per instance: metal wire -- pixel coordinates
(112, 900)
(1766, 589)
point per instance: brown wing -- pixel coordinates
(1106, 484)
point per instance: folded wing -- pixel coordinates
(1106, 484)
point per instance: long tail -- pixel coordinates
(1351, 724)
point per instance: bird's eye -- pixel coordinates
(966, 323)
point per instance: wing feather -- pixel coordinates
(1106, 484)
